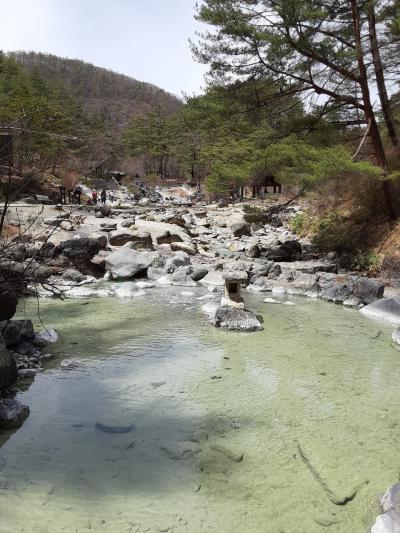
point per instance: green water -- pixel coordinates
(320, 376)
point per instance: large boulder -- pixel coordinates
(234, 319)
(83, 248)
(240, 229)
(12, 413)
(127, 263)
(166, 237)
(385, 309)
(16, 331)
(199, 273)
(140, 240)
(288, 251)
(8, 367)
(368, 290)
(8, 302)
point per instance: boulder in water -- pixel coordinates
(387, 523)
(391, 499)
(12, 413)
(234, 319)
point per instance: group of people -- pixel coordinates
(103, 197)
(94, 198)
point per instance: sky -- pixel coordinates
(145, 39)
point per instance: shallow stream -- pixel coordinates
(319, 387)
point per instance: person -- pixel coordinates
(94, 197)
(103, 196)
(77, 194)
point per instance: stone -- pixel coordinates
(199, 273)
(140, 240)
(214, 279)
(82, 248)
(47, 336)
(144, 202)
(368, 290)
(391, 499)
(253, 251)
(27, 348)
(88, 292)
(179, 259)
(387, 523)
(241, 229)
(8, 367)
(127, 263)
(16, 331)
(234, 319)
(99, 214)
(189, 249)
(12, 413)
(42, 199)
(8, 302)
(128, 223)
(167, 237)
(73, 275)
(66, 226)
(396, 336)
(181, 277)
(385, 309)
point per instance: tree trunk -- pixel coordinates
(374, 133)
(380, 79)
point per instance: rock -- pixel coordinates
(82, 248)
(253, 251)
(27, 348)
(73, 275)
(385, 309)
(181, 451)
(237, 457)
(181, 277)
(42, 199)
(368, 290)
(128, 223)
(183, 247)
(8, 367)
(396, 336)
(127, 290)
(167, 238)
(391, 499)
(141, 240)
(199, 273)
(144, 201)
(234, 319)
(240, 229)
(387, 523)
(201, 435)
(8, 302)
(179, 259)
(99, 214)
(88, 292)
(16, 331)
(47, 336)
(66, 226)
(288, 251)
(127, 263)
(12, 413)
(108, 228)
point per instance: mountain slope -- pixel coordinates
(114, 98)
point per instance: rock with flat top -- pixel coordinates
(127, 263)
(234, 319)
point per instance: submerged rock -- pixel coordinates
(234, 319)
(12, 413)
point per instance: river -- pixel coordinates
(320, 379)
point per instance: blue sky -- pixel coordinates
(145, 39)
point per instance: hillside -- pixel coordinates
(114, 98)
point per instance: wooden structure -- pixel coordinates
(260, 187)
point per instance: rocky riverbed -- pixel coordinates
(126, 249)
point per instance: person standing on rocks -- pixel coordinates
(94, 197)
(103, 196)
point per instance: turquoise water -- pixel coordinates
(319, 376)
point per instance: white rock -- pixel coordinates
(47, 336)
(278, 290)
(271, 301)
(210, 308)
(391, 499)
(144, 285)
(288, 303)
(387, 523)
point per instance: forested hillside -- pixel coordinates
(113, 98)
